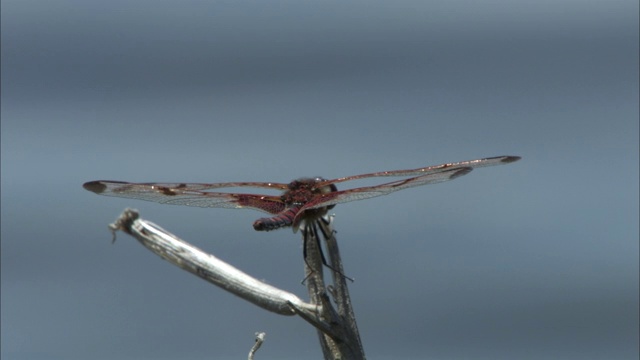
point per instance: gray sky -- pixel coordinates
(538, 259)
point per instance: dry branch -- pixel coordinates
(337, 328)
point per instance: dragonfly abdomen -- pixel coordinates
(283, 219)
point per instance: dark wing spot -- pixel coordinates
(402, 182)
(167, 191)
(510, 159)
(95, 186)
(463, 171)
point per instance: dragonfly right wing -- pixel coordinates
(191, 194)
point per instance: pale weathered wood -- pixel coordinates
(336, 328)
(208, 267)
(259, 340)
(341, 340)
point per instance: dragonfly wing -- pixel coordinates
(492, 161)
(383, 189)
(187, 194)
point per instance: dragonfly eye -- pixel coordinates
(332, 188)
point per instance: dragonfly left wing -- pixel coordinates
(492, 161)
(379, 190)
(425, 176)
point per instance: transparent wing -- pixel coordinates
(492, 161)
(426, 175)
(384, 189)
(191, 194)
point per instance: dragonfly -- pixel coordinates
(302, 201)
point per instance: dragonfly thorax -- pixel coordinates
(303, 190)
(298, 200)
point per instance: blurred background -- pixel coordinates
(537, 259)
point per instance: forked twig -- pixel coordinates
(344, 340)
(337, 330)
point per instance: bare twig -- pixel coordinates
(341, 340)
(259, 340)
(340, 289)
(208, 267)
(336, 328)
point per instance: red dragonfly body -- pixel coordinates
(302, 200)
